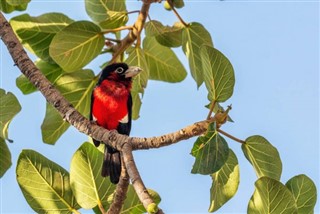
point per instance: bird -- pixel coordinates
(111, 108)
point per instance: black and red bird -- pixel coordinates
(111, 108)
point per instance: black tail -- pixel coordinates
(111, 164)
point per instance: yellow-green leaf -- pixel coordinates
(225, 183)
(218, 74)
(271, 197)
(5, 157)
(89, 187)
(8, 8)
(36, 33)
(304, 192)
(44, 184)
(263, 156)
(76, 45)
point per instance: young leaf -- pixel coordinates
(44, 184)
(9, 107)
(76, 45)
(162, 62)
(76, 87)
(89, 187)
(165, 35)
(132, 204)
(193, 37)
(271, 197)
(52, 72)
(263, 156)
(211, 152)
(225, 183)
(218, 74)
(5, 157)
(304, 192)
(36, 33)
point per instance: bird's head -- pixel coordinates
(119, 72)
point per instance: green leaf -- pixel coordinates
(36, 33)
(76, 45)
(108, 14)
(218, 74)
(304, 192)
(193, 37)
(9, 107)
(136, 105)
(132, 204)
(52, 72)
(225, 183)
(165, 35)
(211, 152)
(8, 8)
(89, 187)
(271, 197)
(76, 87)
(263, 156)
(17, 2)
(162, 62)
(5, 157)
(44, 184)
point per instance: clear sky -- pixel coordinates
(274, 48)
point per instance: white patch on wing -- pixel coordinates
(94, 118)
(125, 119)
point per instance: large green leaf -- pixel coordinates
(52, 72)
(89, 187)
(76, 87)
(5, 157)
(9, 107)
(263, 156)
(36, 33)
(304, 192)
(6, 7)
(225, 183)
(193, 37)
(218, 74)
(17, 2)
(44, 184)
(133, 205)
(76, 45)
(162, 62)
(211, 152)
(165, 35)
(271, 197)
(109, 14)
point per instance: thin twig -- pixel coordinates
(177, 14)
(231, 137)
(117, 29)
(211, 109)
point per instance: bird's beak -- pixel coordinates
(132, 71)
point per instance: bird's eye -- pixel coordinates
(119, 70)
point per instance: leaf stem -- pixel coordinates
(134, 11)
(231, 137)
(117, 29)
(113, 40)
(177, 14)
(211, 109)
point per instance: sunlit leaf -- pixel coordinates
(271, 197)
(76, 87)
(76, 45)
(193, 37)
(304, 192)
(44, 184)
(9, 107)
(36, 33)
(162, 61)
(211, 152)
(17, 2)
(5, 157)
(165, 35)
(89, 187)
(263, 156)
(218, 74)
(132, 204)
(52, 72)
(225, 183)
(115, 19)
(8, 8)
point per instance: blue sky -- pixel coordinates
(274, 48)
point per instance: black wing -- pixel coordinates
(125, 128)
